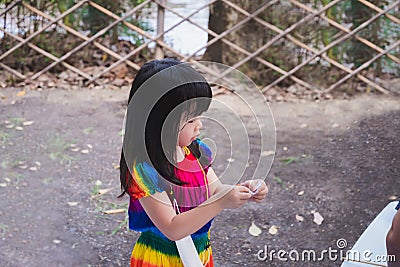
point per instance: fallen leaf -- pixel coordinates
(273, 230)
(38, 163)
(56, 241)
(299, 218)
(115, 165)
(9, 126)
(34, 168)
(8, 180)
(73, 145)
(393, 197)
(7, 122)
(19, 128)
(84, 151)
(27, 123)
(318, 219)
(254, 230)
(3, 184)
(23, 167)
(89, 146)
(303, 125)
(21, 93)
(103, 191)
(335, 125)
(300, 193)
(267, 153)
(114, 211)
(76, 149)
(72, 204)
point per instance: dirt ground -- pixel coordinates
(59, 150)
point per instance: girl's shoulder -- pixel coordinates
(206, 156)
(146, 180)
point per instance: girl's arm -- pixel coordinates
(215, 186)
(214, 183)
(176, 226)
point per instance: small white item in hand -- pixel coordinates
(255, 191)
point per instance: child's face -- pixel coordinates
(189, 131)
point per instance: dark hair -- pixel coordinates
(191, 86)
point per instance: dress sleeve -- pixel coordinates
(145, 181)
(205, 154)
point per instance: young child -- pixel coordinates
(163, 162)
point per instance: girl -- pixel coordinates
(163, 162)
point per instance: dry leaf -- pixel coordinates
(103, 191)
(273, 230)
(38, 163)
(9, 126)
(3, 184)
(393, 197)
(19, 128)
(85, 151)
(303, 125)
(318, 219)
(267, 153)
(116, 166)
(114, 211)
(72, 204)
(56, 241)
(73, 145)
(8, 180)
(299, 218)
(300, 193)
(27, 123)
(34, 168)
(254, 230)
(23, 167)
(89, 146)
(21, 93)
(76, 149)
(335, 125)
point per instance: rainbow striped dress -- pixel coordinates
(153, 248)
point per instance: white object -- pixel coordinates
(187, 250)
(373, 239)
(188, 253)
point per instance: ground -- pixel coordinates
(60, 149)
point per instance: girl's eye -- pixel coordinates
(191, 121)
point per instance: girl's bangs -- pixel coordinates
(199, 100)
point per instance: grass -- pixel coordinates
(289, 160)
(280, 182)
(88, 130)
(119, 227)
(3, 229)
(4, 137)
(56, 148)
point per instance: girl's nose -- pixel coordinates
(199, 125)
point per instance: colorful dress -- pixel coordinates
(153, 248)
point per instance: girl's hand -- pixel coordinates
(233, 196)
(258, 187)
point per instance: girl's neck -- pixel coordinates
(180, 154)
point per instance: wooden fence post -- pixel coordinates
(160, 28)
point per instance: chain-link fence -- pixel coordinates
(316, 45)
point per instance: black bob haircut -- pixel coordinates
(187, 100)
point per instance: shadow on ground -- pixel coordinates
(58, 155)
